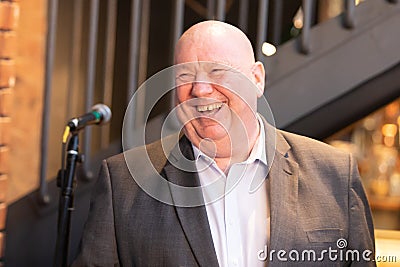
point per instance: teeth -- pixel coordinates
(209, 107)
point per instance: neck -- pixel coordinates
(238, 152)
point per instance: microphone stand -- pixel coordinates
(66, 181)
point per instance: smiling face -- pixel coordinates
(218, 83)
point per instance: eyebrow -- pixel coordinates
(183, 68)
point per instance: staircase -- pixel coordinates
(339, 61)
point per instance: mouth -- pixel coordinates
(209, 109)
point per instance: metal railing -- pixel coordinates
(137, 59)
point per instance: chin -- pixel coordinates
(215, 134)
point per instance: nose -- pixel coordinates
(201, 89)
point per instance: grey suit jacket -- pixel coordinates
(316, 198)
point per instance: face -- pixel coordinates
(217, 88)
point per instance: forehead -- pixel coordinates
(214, 44)
(205, 50)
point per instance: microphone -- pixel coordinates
(100, 114)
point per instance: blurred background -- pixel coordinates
(333, 73)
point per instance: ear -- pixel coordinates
(259, 77)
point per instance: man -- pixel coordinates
(266, 197)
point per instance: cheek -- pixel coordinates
(183, 93)
(243, 106)
(232, 94)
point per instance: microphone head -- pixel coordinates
(104, 111)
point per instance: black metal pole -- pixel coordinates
(66, 184)
(349, 20)
(262, 26)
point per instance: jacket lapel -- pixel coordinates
(283, 178)
(193, 220)
(283, 194)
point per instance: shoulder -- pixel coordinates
(310, 145)
(310, 151)
(124, 174)
(154, 154)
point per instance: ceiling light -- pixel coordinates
(268, 49)
(298, 19)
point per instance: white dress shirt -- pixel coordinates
(237, 205)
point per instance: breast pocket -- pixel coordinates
(322, 249)
(328, 235)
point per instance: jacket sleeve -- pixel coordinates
(98, 244)
(361, 229)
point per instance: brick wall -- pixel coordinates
(9, 15)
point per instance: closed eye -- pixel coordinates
(186, 77)
(216, 73)
(217, 70)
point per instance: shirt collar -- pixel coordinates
(257, 153)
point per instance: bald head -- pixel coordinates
(218, 83)
(214, 41)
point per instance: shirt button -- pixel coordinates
(235, 262)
